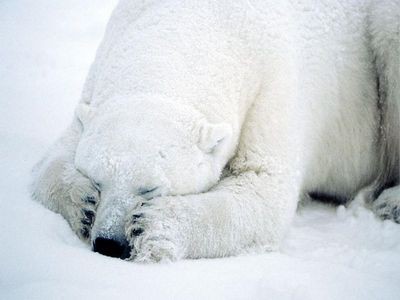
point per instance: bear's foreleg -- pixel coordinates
(63, 189)
(245, 211)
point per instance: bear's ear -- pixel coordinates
(213, 137)
(84, 113)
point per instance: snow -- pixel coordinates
(47, 47)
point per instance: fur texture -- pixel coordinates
(201, 125)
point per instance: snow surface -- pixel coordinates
(46, 49)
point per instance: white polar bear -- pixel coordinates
(203, 123)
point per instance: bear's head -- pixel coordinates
(144, 149)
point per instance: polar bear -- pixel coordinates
(202, 124)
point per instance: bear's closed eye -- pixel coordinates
(97, 185)
(147, 191)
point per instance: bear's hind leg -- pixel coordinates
(384, 25)
(387, 205)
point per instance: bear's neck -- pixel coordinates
(192, 62)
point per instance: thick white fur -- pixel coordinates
(233, 110)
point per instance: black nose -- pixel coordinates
(111, 247)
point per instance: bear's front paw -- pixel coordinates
(387, 206)
(81, 210)
(153, 232)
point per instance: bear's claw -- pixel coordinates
(151, 232)
(81, 210)
(90, 199)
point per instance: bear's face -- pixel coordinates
(147, 151)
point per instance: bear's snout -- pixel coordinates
(111, 247)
